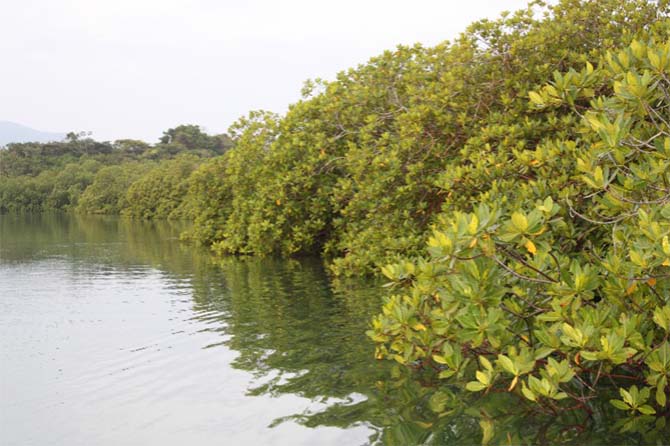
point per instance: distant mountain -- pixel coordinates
(13, 132)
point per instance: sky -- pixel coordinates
(134, 68)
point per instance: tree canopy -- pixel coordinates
(94, 177)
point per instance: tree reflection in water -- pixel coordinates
(297, 332)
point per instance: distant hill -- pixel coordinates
(13, 132)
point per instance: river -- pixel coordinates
(112, 332)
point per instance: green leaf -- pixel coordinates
(507, 364)
(475, 386)
(660, 392)
(446, 374)
(662, 317)
(527, 392)
(485, 363)
(629, 398)
(646, 410)
(438, 401)
(560, 396)
(483, 377)
(594, 121)
(637, 258)
(589, 356)
(620, 405)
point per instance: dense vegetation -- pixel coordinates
(516, 180)
(360, 169)
(552, 283)
(126, 176)
(363, 166)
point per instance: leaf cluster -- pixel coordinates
(558, 293)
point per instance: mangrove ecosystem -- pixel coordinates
(512, 186)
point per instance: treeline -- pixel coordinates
(365, 165)
(125, 176)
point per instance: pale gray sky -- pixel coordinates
(133, 68)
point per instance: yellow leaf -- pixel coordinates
(535, 98)
(542, 230)
(473, 243)
(666, 262)
(534, 162)
(278, 202)
(589, 68)
(419, 327)
(637, 258)
(472, 226)
(530, 246)
(598, 176)
(639, 49)
(631, 288)
(666, 246)
(520, 221)
(487, 431)
(654, 59)
(514, 381)
(594, 121)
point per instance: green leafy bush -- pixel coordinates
(36, 177)
(362, 167)
(161, 192)
(555, 289)
(107, 191)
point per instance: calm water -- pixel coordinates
(114, 333)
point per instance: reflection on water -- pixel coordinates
(112, 332)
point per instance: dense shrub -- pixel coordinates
(160, 192)
(107, 192)
(37, 177)
(557, 291)
(361, 167)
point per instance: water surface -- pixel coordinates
(112, 332)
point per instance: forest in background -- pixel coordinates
(128, 177)
(514, 185)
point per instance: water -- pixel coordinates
(114, 333)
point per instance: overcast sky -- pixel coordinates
(133, 68)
